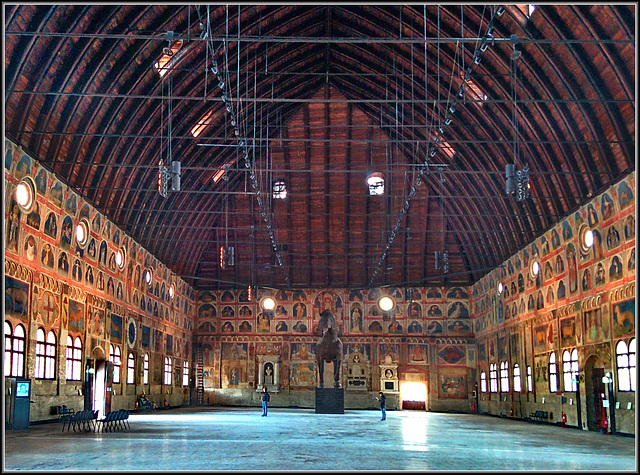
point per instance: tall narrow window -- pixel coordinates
(74, 358)
(517, 385)
(553, 373)
(504, 377)
(529, 378)
(626, 362)
(570, 370)
(145, 369)
(39, 367)
(45, 355)
(185, 374)
(493, 377)
(114, 357)
(131, 366)
(14, 349)
(167, 370)
(483, 382)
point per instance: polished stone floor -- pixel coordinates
(220, 439)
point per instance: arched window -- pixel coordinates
(570, 370)
(529, 379)
(167, 370)
(483, 382)
(114, 357)
(626, 360)
(517, 385)
(145, 369)
(493, 377)
(553, 373)
(185, 374)
(45, 355)
(504, 377)
(131, 366)
(74, 358)
(14, 349)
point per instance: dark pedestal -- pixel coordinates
(329, 401)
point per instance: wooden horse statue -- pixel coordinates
(329, 347)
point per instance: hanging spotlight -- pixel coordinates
(447, 121)
(510, 176)
(500, 11)
(175, 176)
(221, 84)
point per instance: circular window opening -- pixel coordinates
(82, 232)
(535, 268)
(148, 276)
(268, 303)
(500, 288)
(386, 304)
(171, 291)
(25, 194)
(120, 257)
(586, 238)
(376, 183)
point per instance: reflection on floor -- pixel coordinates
(218, 439)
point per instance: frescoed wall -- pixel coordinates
(582, 299)
(56, 283)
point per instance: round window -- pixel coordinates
(25, 194)
(386, 304)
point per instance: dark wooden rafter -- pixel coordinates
(92, 107)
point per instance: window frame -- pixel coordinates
(185, 374)
(529, 379)
(504, 376)
(145, 369)
(553, 373)
(626, 365)
(167, 370)
(45, 367)
(116, 359)
(73, 370)
(517, 379)
(483, 382)
(493, 377)
(14, 350)
(570, 370)
(131, 368)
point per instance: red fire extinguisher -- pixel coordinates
(136, 404)
(511, 412)
(564, 419)
(605, 426)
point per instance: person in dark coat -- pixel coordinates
(265, 400)
(383, 406)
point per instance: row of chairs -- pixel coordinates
(539, 416)
(115, 420)
(82, 420)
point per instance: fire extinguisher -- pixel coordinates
(605, 426)
(564, 419)
(136, 404)
(511, 412)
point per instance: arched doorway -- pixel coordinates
(594, 392)
(98, 379)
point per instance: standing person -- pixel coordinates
(383, 406)
(265, 400)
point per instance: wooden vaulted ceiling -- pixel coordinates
(323, 95)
